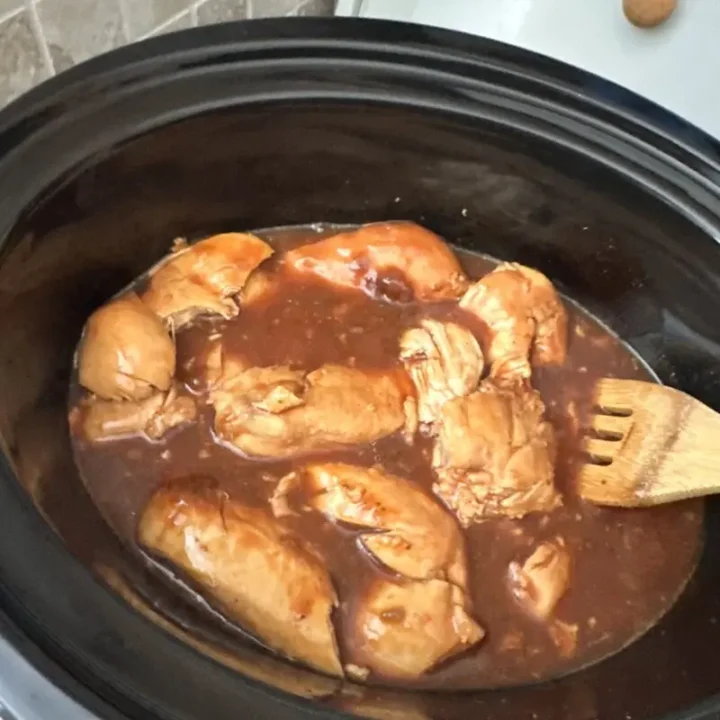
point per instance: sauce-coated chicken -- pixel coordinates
(154, 416)
(383, 259)
(204, 277)
(346, 413)
(411, 533)
(403, 629)
(279, 412)
(125, 352)
(544, 577)
(444, 361)
(495, 454)
(250, 569)
(218, 366)
(524, 320)
(539, 583)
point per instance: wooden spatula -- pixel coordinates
(652, 445)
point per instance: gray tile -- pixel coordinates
(181, 22)
(21, 63)
(8, 6)
(215, 11)
(283, 8)
(144, 16)
(76, 30)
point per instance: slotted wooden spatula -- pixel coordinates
(652, 445)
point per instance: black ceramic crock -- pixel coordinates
(284, 122)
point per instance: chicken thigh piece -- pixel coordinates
(125, 352)
(444, 361)
(410, 533)
(204, 277)
(495, 454)
(249, 568)
(398, 251)
(524, 320)
(278, 412)
(403, 629)
(104, 419)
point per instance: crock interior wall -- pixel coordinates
(647, 272)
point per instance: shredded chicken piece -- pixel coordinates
(219, 366)
(259, 285)
(540, 582)
(404, 629)
(153, 416)
(279, 500)
(356, 672)
(279, 399)
(495, 454)
(204, 277)
(125, 352)
(213, 364)
(411, 533)
(279, 412)
(363, 258)
(444, 361)
(410, 428)
(551, 321)
(565, 636)
(523, 314)
(249, 568)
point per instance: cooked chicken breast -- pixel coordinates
(250, 569)
(125, 352)
(495, 454)
(401, 628)
(444, 361)
(399, 252)
(411, 533)
(279, 412)
(153, 416)
(404, 629)
(524, 319)
(204, 277)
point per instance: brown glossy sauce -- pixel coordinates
(628, 566)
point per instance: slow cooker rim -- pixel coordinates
(24, 120)
(626, 138)
(209, 43)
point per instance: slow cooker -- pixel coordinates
(289, 122)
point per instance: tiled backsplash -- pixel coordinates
(39, 38)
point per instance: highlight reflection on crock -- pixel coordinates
(360, 446)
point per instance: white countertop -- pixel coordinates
(677, 65)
